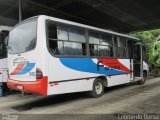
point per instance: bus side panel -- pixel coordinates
(71, 74)
(65, 80)
(3, 70)
(120, 79)
(70, 86)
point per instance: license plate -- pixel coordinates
(20, 87)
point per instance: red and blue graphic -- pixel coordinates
(106, 67)
(23, 69)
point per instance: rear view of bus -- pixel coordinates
(24, 58)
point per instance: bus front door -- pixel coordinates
(137, 61)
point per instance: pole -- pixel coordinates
(20, 10)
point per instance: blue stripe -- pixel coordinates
(87, 65)
(26, 69)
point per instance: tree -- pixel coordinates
(148, 37)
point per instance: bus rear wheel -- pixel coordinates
(98, 89)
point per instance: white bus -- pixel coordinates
(50, 56)
(4, 31)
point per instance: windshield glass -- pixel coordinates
(23, 37)
(3, 44)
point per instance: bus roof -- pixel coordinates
(87, 26)
(82, 25)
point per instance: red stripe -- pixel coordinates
(114, 63)
(17, 69)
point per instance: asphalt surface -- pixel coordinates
(116, 101)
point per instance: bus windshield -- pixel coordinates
(23, 37)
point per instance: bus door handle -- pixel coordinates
(98, 65)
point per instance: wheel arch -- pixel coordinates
(104, 79)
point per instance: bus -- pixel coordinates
(49, 56)
(4, 31)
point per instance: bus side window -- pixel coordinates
(76, 34)
(93, 43)
(120, 47)
(106, 45)
(130, 49)
(52, 31)
(62, 32)
(72, 48)
(77, 38)
(54, 45)
(100, 45)
(66, 40)
(93, 49)
(117, 54)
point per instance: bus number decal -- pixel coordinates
(32, 74)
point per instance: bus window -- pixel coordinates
(100, 45)
(105, 51)
(59, 43)
(23, 37)
(93, 50)
(52, 29)
(93, 38)
(93, 43)
(56, 47)
(106, 39)
(120, 47)
(77, 35)
(71, 48)
(130, 49)
(62, 32)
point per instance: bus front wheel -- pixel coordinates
(97, 89)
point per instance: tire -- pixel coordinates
(97, 89)
(4, 88)
(141, 82)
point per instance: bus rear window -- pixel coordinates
(23, 37)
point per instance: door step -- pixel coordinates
(137, 78)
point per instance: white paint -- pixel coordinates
(71, 86)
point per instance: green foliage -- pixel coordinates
(150, 39)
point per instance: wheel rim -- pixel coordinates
(98, 88)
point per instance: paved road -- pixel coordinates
(124, 99)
